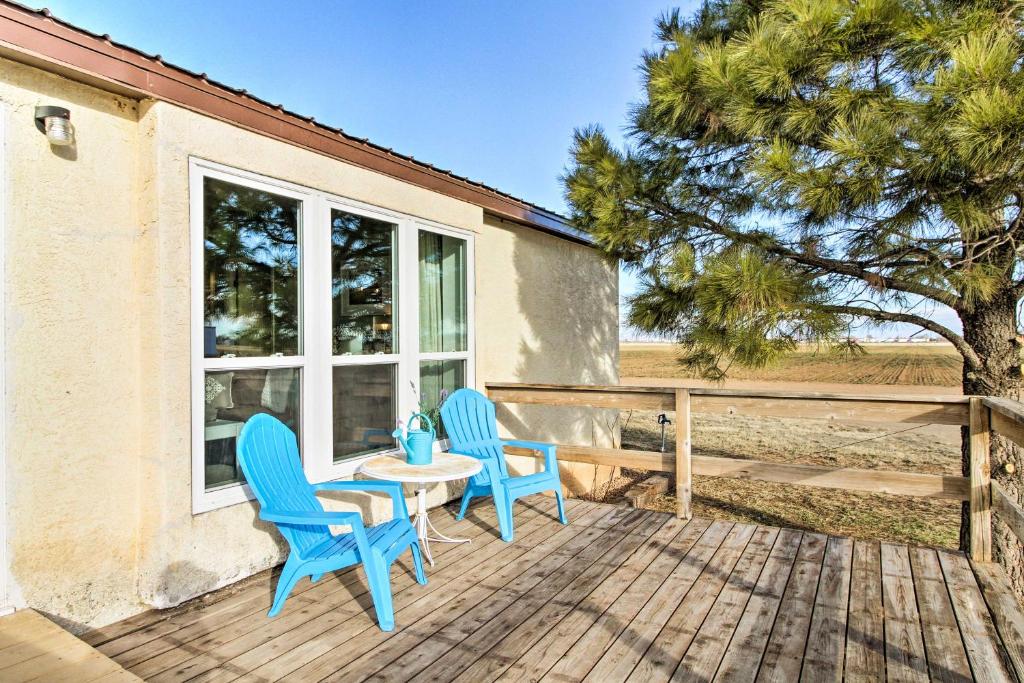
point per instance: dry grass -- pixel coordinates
(914, 448)
(926, 364)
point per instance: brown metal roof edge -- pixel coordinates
(46, 40)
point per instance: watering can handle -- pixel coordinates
(422, 417)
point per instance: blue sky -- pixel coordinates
(491, 90)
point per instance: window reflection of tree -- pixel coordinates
(362, 253)
(252, 267)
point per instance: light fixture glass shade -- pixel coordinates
(59, 131)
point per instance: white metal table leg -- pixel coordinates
(423, 523)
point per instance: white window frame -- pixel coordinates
(316, 362)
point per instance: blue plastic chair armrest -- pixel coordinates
(352, 519)
(393, 488)
(548, 449)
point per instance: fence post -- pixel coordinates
(683, 473)
(981, 485)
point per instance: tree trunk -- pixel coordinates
(991, 330)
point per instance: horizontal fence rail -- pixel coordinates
(980, 415)
(1007, 420)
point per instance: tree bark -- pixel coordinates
(990, 328)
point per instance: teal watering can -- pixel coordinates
(418, 444)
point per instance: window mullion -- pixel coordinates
(317, 458)
(408, 373)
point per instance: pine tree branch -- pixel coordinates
(849, 268)
(970, 357)
(854, 269)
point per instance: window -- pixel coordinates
(443, 320)
(335, 317)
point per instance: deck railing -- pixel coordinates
(981, 415)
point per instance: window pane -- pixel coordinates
(362, 287)
(438, 379)
(250, 271)
(231, 398)
(364, 409)
(442, 293)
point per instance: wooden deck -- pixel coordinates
(619, 594)
(33, 648)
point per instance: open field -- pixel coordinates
(924, 364)
(912, 369)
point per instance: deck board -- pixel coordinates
(33, 648)
(865, 635)
(618, 594)
(788, 641)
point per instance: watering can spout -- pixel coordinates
(401, 439)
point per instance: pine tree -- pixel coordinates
(799, 166)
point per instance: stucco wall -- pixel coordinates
(74, 392)
(547, 313)
(99, 463)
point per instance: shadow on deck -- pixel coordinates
(619, 594)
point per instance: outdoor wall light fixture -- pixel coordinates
(55, 122)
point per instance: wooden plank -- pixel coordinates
(436, 651)
(701, 660)
(1007, 417)
(684, 481)
(535, 627)
(653, 461)
(784, 654)
(237, 647)
(1010, 513)
(989, 660)
(826, 640)
(941, 399)
(254, 599)
(588, 568)
(664, 399)
(579, 657)
(342, 635)
(1005, 610)
(981, 489)
(742, 657)
(621, 656)
(429, 614)
(222, 635)
(662, 657)
(1007, 426)
(918, 410)
(851, 479)
(947, 659)
(550, 644)
(865, 637)
(904, 643)
(645, 492)
(37, 649)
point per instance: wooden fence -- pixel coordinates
(981, 415)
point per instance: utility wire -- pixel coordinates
(871, 438)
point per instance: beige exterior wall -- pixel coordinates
(547, 313)
(100, 521)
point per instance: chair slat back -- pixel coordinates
(269, 456)
(469, 419)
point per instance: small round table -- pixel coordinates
(445, 467)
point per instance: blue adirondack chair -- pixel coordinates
(269, 457)
(469, 420)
